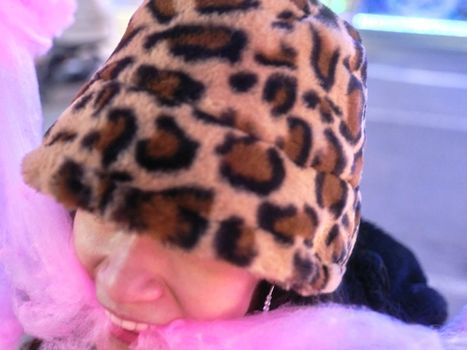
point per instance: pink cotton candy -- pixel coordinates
(27, 29)
(32, 24)
(10, 330)
(325, 327)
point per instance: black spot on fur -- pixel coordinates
(314, 218)
(107, 189)
(198, 225)
(311, 99)
(285, 20)
(267, 216)
(325, 275)
(332, 235)
(304, 268)
(245, 182)
(181, 159)
(360, 52)
(286, 15)
(189, 216)
(327, 114)
(191, 224)
(196, 49)
(279, 85)
(63, 137)
(326, 117)
(242, 81)
(327, 78)
(90, 139)
(82, 102)
(129, 211)
(226, 243)
(354, 85)
(345, 131)
(345, 221)
(287, 60)
(71, 175)
(120, 176)
(346, 63)
(339, 256)
(312, 214)
(328, 17)
(122, 141)
(105, 96)
(335, 108)
(334, 141)
(319, 189)
(223, 120)
(113, 70)
(226, 7)
(107, 186)
(283, 24)
(158, 14)
(337, 207)
(153, 80)
(307, 140)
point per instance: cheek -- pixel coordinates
(89, 246)
(87, 255)
(218, 297)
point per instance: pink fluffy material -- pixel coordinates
(320, 327)
(32, 24)
(44, 291)
(27, 28)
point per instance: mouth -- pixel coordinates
(125, 330)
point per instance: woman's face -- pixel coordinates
(140, 280)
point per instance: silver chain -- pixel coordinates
(267, 302)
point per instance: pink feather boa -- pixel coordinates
(45, 293)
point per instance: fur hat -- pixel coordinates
(230, 129)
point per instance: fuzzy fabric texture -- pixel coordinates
(385, 276)
(233, 130)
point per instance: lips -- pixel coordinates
(123, 335)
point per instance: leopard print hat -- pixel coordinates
(232, 129)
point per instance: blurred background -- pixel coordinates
(415, 178)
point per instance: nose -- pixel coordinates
(126, 275)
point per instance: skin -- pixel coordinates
(139, 279)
